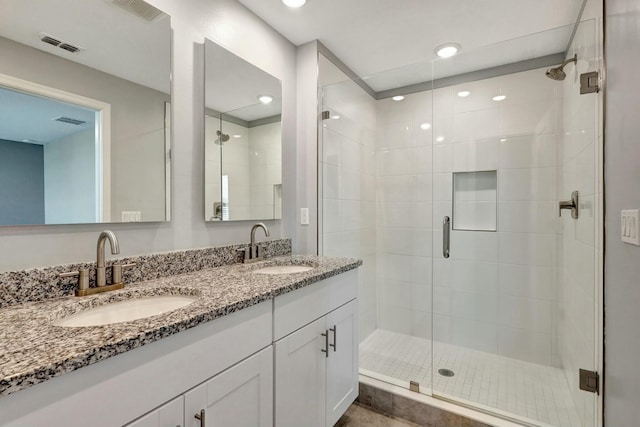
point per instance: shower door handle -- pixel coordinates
(571, 205)
(446, 238)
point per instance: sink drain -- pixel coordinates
(446, 372)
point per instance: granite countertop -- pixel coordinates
(33, 350)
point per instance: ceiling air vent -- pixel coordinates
(71, 48)
(140, 8)
(50, 40)
(69, 120)
(53, 41)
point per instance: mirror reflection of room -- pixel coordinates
(243, 150)
(83, 113)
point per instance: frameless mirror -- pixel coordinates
(84, 112)
(243, 148)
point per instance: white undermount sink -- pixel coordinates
(126, 311)
(284, 269)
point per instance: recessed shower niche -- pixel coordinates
(475, 201)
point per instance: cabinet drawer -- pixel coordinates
(301, 307)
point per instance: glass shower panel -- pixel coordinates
(508, 333)
(375, 169)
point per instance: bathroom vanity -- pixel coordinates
(251, 350)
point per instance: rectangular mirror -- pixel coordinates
(84, 112)
(243, 139)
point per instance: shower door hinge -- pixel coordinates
(589, 381)
(326, 115)
(589, 83)
(414, 386)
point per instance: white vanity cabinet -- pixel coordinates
(316, 366)
(223, 369)
(168, 415)
(241, 396)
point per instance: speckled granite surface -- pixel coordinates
(38, 284)
(33, 350)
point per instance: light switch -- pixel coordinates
(630, 221)
(304, 216)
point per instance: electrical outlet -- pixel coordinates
(630, 223)
(304, 216)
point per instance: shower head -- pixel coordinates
(222, 137)
(558, 73)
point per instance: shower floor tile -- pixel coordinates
(536, 392)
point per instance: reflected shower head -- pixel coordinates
(558, 72)
(222, 137)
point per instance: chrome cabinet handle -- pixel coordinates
(335, 337)
(325, 350)
(445, 236)
(200, 417)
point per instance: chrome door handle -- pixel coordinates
(445, 236)
(325, 350)
(570, 204)
(200, 417)
(335, 336)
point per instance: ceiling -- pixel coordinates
(376, 36)
(232, 85)
(31, 118)
(113, 40)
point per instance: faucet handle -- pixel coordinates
(246, 254)
(118, 269)
(83, 277)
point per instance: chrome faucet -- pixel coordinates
(101, 279)
(254, 253)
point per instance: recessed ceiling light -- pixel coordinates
(265, 99)
(447, 50)
(499, 98)
(464, 93)
(294, 3)
(440, 139)
(503, 139)
(335, 116)
(398, 98)
(237, 136)
(425, 126)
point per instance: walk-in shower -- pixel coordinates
(504, 323)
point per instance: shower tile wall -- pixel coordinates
(347, 165)
(496, 292)
(580, 242)
(265, 167)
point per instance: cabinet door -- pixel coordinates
(300, 377)
(168, 415)
(342, 363)
(241, 396)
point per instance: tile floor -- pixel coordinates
(534, 393)
(361, 416)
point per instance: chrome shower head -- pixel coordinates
(222, 137)
(558, 73)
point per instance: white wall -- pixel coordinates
(622, 175)
(231, 25)
(70, 179)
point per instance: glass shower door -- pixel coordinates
(514, 303)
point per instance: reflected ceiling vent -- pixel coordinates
(54, 41)
(141, 9)
(69, 120)
(50, 40)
